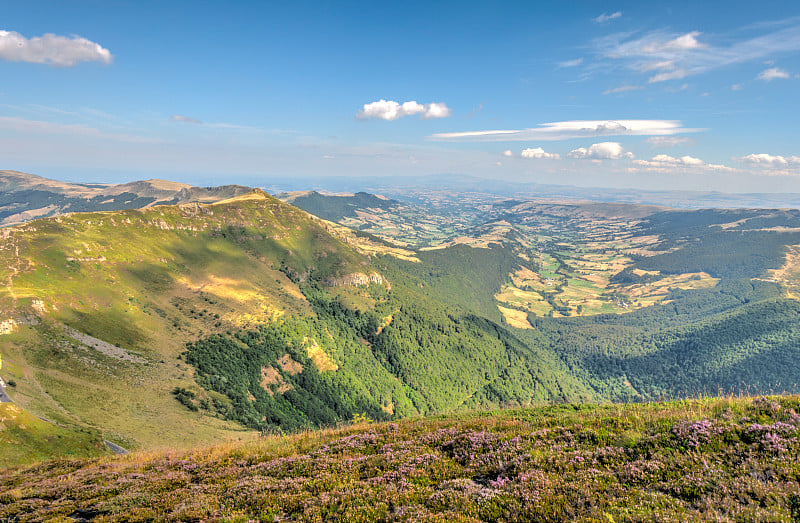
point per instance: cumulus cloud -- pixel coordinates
(773, 73)
(538, 153)
(667, 141)
(391, 110)
(571, 129)
(51, 49)
(185, 119)
(769, 160)
(508, 153)
(666, 163)
(606, 17)
(601, 151)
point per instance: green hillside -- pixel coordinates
(179, 325)
(176, 326)
(99, 306)
(24, 438)
(702, 460)
(336, 207)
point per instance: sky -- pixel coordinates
(667, 95)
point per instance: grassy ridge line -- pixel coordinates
(708, 459)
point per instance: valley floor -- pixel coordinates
(713, 459)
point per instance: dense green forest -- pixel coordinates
(459, 276)
(740, 336)
(434, 342)
(407, 354)
(334, 208)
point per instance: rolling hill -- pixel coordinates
(179, 325)
(24, 196)
(130, 322)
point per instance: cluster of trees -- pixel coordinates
(408, 354)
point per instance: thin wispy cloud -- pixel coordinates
(22, 125)
(185, 119)
(622, 89)
(391, 110)
(666, 56)
(668, 141)
(571, 63)
(51, 49)
(603, 18)
(571, 129)
(773, 73)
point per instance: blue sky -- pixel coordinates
(678, 95)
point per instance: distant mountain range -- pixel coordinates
(417, 189)
(24, 196)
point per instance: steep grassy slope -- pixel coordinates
(707, 460)
(98, 306)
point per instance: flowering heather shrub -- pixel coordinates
(515, 465)
(772, 438)
(692, 434)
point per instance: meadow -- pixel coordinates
(723, 459)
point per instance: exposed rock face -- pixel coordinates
(356, 279)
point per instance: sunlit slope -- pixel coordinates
(96, 307)
(25, 438)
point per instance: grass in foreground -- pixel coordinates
(24, 438)
(715, 459)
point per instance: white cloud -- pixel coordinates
(571, 129)
(601, 151)
(666, 163)
(676, 55)
(622, 89)
(769, 160)
(571, 63)
(667, 141)
(391, 110)
(685, 42)
(436, 110)
(51, 49)
(657, 66)
(508, 153)
(605, 17)
(773, 73)
(539, 154)
(185, 119)
(670, 75)
(736, 87)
